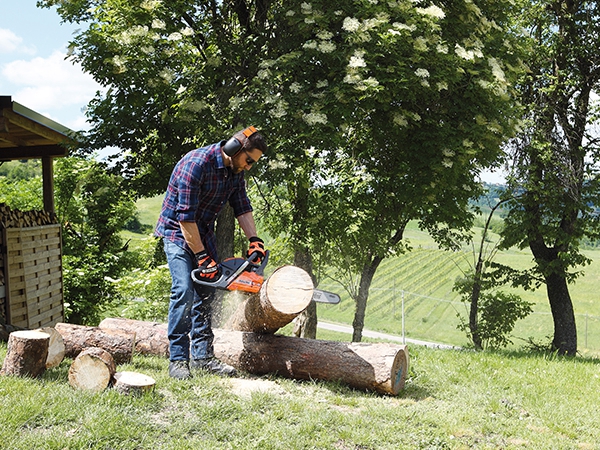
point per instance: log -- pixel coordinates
(26, 354)
(378, 367)
(150, 338)
(56, 347)
(133, 383)
(118, 343)
(282, 297)
(92, 370)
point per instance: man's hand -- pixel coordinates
(208, 268)
(256, 246)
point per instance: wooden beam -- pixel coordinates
(48, 183)
(11, 139)
(35, 151)
(34, 127)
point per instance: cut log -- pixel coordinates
(26, 354)
(133, 383)
(149, 339)
(282, 297)
(92, 370)
(118, 343)
(379, 367)
(56, 347)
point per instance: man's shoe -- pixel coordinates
(179, 370)
(213, 365)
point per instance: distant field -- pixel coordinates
(422, 280)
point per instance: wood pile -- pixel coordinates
(30, 268)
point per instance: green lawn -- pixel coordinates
(452, 400)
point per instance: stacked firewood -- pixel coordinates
(14, 218)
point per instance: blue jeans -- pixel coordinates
(190, 309)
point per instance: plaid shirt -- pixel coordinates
(198, 189)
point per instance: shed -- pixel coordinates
(31, 289)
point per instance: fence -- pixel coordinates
(416, 316)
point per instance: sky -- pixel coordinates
(33, 69)
(35, 73)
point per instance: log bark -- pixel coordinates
(133, 383)
(26, 354)
(149, 339)
(379, 367)
(118, 343)
(56, 347)
(92, 370)
(282, 297)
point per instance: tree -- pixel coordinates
(92, 209)
(555, 158)
(413, 98)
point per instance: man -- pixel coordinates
(201, 182)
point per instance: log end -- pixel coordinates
(133, 383)
(289, 290)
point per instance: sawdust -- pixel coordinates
(245, 387)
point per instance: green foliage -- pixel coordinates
(21, 170)
(93, 207)
(22, 194)
(497, 314)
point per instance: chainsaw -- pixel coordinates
(244, 274)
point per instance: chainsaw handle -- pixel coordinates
(260, 267)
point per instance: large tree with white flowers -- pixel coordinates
(376, 112)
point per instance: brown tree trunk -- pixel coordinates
(282, 297)
(366, 278)
(225, 233)
(92, 370)
(26, 354)
(118, 343)
(561, 305)
(149, 340)
(306, 322)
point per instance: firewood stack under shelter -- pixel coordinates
(31, 284)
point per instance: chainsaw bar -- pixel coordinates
(320, 296)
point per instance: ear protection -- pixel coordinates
(234, 145)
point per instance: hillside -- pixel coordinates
(422, 280)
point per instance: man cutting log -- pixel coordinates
(200, 184)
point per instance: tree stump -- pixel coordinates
(149, 339)
(118, 343)
(133, 383)
(92, 370)
(26, 354)
(282, 297)
(56, 347)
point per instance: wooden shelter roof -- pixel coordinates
(26, 134)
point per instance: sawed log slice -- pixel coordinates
(133, 383)
(92, 370)
(56, 347)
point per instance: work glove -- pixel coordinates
(208, 269)
(257, 245)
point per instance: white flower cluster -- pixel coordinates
(130, 35)
(150, 5)
(433, 11)
(314, 118)
(357, 60)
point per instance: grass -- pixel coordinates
(452, 400)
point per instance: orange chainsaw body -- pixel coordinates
(247, 282)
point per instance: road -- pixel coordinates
(376, 335)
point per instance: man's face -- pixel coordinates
(245, 159)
